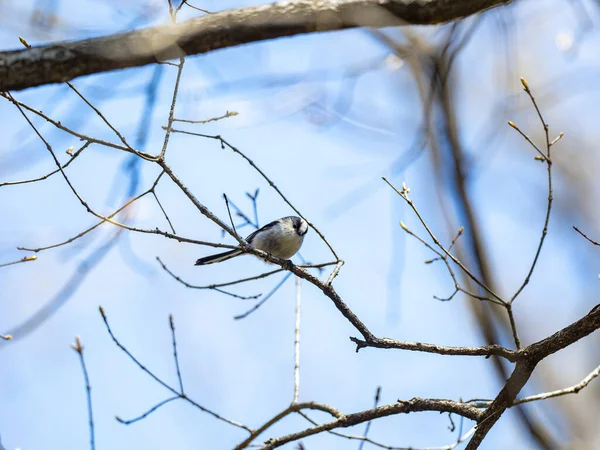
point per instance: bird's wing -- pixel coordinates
(265, 227)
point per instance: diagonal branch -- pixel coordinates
(64, 61)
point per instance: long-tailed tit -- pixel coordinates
(281, 238)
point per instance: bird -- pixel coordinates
(281, 238)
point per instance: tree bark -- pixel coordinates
(59, 62)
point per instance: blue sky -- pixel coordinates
(329, 165)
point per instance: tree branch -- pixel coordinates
(402, 407)
(532, 355)
(64, 61)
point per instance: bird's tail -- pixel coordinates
(218, 257)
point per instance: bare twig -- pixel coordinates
(335, 272)
(297, 344)
(77, 278)
(240, 213)
(241, 280)
(163, 211)
(173, 101)
(87, 230)
(22, 260)
(547, 159)
(214, 287)
(368, 427)
(172, 325)
(570, 390)
(444, 258)
(586, 237)
(513, 325)
(147, 413)
(212, 119)
(108, 219)
(49, 174)
(236, 235)
(104, 119)
(404, 194)
(83, 137)
(264, 299)
(79, 349)
(164, 384)
(458, 234)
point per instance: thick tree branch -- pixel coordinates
(64, 61)
(504, 400)
(532, 355)
(487, 351)
(402, 407)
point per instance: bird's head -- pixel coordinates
(300, 225)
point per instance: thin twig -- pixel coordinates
(108, 219)
(86, 231)
(368, 427)
(264, 299)
(404, 195)
(22, 260)
(211, 287)
(49, 174)
(164, 212)
(88, 389)
(570, 390)
(213, 119)
(297, 344)
(174, 100)
(172, 325)
(83, 269)
(528, 139)
(242, 280)
(147, 413)
(164, 384)
(83, 137)
(79, 197)
(203, 209)
(96, 110)
(335, 272)
(586, 237)
(548, 160)
(241, 241)
(444, 258)
(458, 234)
(513, 325)
(104, 119)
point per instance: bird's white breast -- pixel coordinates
(281, 240)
